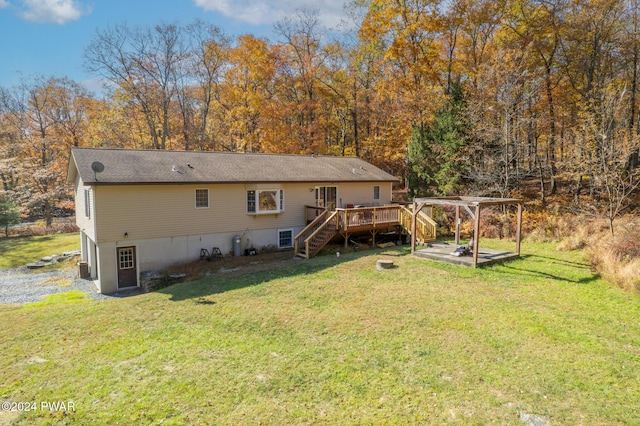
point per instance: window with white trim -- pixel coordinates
(202, 198)
(251, 201)
(87, 203)
(265, 201)
(285, 238)
(281, 200)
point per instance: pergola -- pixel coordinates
(473, 206)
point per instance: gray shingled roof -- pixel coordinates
(154, 166)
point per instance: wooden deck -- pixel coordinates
(323, 225)
(441, 251)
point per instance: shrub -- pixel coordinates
(39, 229)
(493, 222)
(546, 227)
(617, 259)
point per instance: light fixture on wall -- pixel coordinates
(126, 235)
(311, 189)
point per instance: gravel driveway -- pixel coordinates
(22, 285)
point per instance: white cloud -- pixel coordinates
(55, 11)
(258, 12)
(4, 4)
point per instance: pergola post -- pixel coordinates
(519, 228)
(413, 227)
(457, 225)
(476, 236)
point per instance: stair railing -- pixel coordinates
(312, 245)
(299, 239)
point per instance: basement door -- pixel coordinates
(127, 271)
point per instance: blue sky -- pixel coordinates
(48, 37)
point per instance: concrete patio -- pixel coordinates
(441, 251)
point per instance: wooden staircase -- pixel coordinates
(329, 223)
(425, 225)
(316, 235)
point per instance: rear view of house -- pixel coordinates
(144, 210)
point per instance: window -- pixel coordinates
(251, 201)
(126, 258)
(265, 201)
(281, 200)
(202, 198)
(87, 203)
(268, 201)
(285, 238)
(376, 192)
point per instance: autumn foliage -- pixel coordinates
(477, 97)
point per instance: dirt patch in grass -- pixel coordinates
(243, 265)
(60, 281)
(240, 265)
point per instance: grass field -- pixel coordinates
(335, 341)
(18, 251)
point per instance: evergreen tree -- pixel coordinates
(9, 214)
(435, 163)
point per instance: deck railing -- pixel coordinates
(367, 218)
(325, 224)
(321, 236)
(425, 225)
(312, 212)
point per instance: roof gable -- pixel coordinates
(120, 166)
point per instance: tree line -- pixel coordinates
(456, 96)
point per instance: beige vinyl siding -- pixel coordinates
(154, 211)
(107, 268)
(362, 193)
(85, 223)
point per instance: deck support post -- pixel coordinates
(399, 232)
(373, 235)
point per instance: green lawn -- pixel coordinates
(335, 341)
(18, 251)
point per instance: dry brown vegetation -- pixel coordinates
(40, 229)
(615, 257)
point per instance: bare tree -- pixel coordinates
(144, 64)
(607, 146)
(198, 80)
(303, 35)
(69, 109)
(28, 111)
